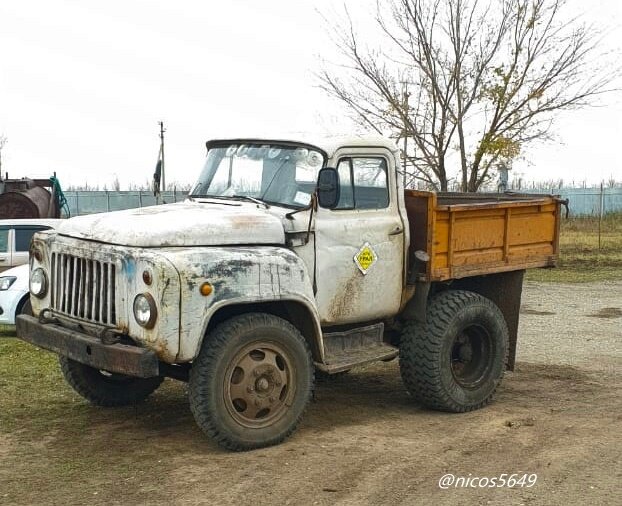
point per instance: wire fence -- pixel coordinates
(91, 202)
(582, 201)
(589, 201)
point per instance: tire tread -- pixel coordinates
(202, 373)
(420, 351)
(78, 376)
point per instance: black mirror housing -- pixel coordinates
(328, 188)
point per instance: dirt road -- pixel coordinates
(363, 440)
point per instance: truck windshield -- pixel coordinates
(276, 174)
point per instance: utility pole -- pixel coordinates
(162, 130)
(3, 141)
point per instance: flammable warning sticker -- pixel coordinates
(365, 258)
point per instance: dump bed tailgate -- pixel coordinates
(474, 234)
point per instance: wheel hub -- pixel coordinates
(257, 384)
(466, 352)
(262, 385)
(266, 380)
(471, 356)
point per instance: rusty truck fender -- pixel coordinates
(243, 279)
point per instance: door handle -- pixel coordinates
(396, 231)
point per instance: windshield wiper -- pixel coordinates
(251, 199)
(233, 197)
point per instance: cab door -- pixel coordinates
(360, 244)
(6, 246)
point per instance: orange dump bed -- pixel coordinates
(474, 234)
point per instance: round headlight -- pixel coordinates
(38, 282)
(145, 310)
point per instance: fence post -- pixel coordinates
(600, 213)
(107, 201)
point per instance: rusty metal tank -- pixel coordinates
(27, 198)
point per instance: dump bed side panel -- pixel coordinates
(467, 236)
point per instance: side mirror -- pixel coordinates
(328, 189)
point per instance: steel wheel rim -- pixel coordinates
(259, 384)
(471, 356)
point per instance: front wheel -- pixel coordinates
(251, 382)
(25, 307)
(456, 359)
(107, 389)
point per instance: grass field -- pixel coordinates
(580, 259)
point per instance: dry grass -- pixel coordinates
(580, 258)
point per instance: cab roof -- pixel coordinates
(328, 145)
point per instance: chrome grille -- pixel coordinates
(83, 288)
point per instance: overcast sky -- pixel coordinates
(84, 83)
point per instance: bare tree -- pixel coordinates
(468, 83)
(116, 184)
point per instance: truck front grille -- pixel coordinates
(83, 288)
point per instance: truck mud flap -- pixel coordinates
(117, 358)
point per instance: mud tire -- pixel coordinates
(106, 389)
(25, 307)
(216, 389)
(456, 360)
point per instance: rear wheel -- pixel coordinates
(456, 360)
(107, 389)
(251, 382)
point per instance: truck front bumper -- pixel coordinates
(117, 358)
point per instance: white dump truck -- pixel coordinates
(289, 259)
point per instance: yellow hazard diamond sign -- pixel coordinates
(365, 258)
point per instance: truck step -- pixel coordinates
(344, 350)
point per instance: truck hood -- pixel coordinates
(181, 224)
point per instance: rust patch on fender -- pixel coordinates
(246, 221)
(228, 268)
(160, 347)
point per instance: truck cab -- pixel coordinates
(288, 259)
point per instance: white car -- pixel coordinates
(15, 236)
(14, 294)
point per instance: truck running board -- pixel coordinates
(344, 350)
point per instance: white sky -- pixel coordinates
(84, 83)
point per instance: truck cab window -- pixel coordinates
(363, 182)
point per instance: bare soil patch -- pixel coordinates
(363, 440)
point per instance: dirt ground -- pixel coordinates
(363, 441)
